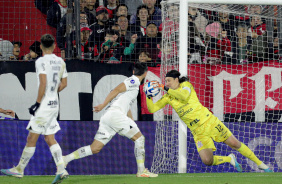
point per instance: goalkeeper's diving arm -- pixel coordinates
(183, 95)
(154, 107)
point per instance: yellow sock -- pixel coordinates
(245, 151)
(220, 159)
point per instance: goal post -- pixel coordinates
(171, 155)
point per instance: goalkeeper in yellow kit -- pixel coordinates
(205, 127)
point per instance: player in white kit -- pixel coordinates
(118, 119)
(52, 78)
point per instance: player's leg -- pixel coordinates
(102, 137)
(139, 152)
(125, 126)
(245, 151)
(204, 140)
(85, 151)
(56, 152)
(27, 153)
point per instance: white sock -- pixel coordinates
(80, 153)
(58, 157)
(139, 151)
(26, 156)
(263, 166)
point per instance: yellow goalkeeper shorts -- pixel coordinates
(212, 130)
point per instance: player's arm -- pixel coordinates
(129, 114)
(63, 84)
(183, 95)
(119, 89)
(42, 87)
(41, 93)
(154, 107)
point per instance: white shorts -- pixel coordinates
(112, 122)
(44, 122)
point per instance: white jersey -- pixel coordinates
(55, 69)
(124, 100)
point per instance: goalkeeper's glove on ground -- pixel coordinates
(34, 108)
(161, 87)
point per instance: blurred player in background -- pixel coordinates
(52, 78)
(118, 119)
(205, 127)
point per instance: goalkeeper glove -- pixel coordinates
(33, 108)
(161, 87)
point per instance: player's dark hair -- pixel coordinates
(176, 74)
(47, 40)
(140, 68)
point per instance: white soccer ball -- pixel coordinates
(149, 89)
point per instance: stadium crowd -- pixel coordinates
(115, 31)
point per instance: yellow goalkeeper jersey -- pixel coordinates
(185, 102)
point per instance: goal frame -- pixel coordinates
(183, 36)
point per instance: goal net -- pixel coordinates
(233, 59)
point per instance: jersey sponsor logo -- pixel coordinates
(132, 81)
(53, 103)
(182, 112)
(194, 122)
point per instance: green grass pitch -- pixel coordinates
(195, 178)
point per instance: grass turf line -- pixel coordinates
(195, 178)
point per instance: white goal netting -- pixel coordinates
(234, 65)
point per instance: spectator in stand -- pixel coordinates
(241, 45)
(125, 38)
(121, 9)
(90, 5)
(274, 49)
(6, 50)
(132, 5)
(171, 24)
(226, 21)
(56, 12)
(86, 50)
(167, 53)
(35, 52)
(255, 9)
(116, 27)
(141, 23)
(112, 50)
(99, 27)
(61, 28)
(144, 56)
(150, 41)
(217, 44)
(43, 5)
(155, 14)
(17, 50)
(90, 11)
(259, 49)
(111, 6)
(195, 43)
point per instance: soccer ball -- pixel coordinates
(149, 89)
